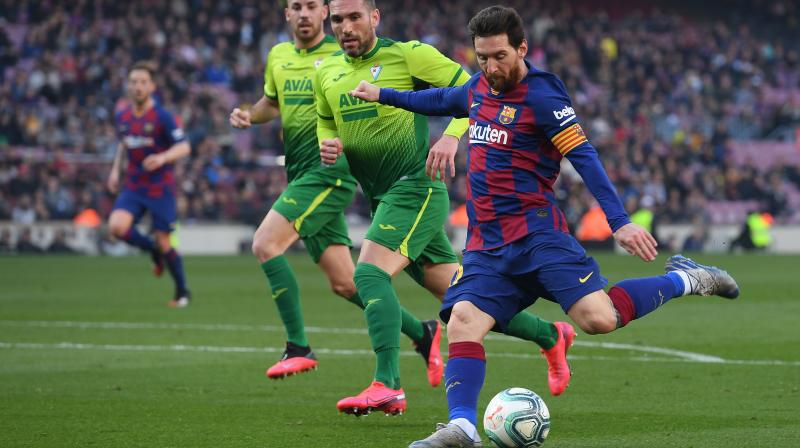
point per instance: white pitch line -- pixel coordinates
(353, 352)
(170, 326)
(689, 356)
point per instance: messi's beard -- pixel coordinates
(504, 84)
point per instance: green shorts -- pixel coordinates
(411, 218)
(315, 204)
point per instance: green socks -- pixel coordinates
(384, 320)
(529, 327)
(411, 326)
(287, 298)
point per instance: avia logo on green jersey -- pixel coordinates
(345, 100)
(353, 108)
(298, 85)
(298, 92)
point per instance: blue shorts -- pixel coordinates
(163, 209)
(502, 282)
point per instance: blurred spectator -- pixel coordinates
(59, 244)
(6, 246)
(23, 212)
(25, 244)
(643, 214)
(696, 241)
(593, 231)
(755, 234)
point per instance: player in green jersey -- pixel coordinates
(311, 208)
(386, 149)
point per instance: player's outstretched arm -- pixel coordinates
(266, 109)
(632, 237)
(445, 101)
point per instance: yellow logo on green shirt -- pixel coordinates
(298, 85)
(278, 293)
(353, 108)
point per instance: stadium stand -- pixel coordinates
(680, 102)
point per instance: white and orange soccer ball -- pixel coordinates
(516, 418)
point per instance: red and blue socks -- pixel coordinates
(464, 376)
(637, 297)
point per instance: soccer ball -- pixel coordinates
(516, 418)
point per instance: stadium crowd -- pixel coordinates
(661, 93)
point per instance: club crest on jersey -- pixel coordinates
(507, 115)
(376, 71)
(148, 128)
(317, 62)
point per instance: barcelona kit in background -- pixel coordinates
(154, 132)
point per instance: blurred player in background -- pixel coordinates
(386, 149)
(518, 247)
(152, 142)
(312, 206)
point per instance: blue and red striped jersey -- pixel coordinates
(153, 132)
(516, 142)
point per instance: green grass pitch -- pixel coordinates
(90, 356)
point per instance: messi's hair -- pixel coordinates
(496, 20)
(148, 66)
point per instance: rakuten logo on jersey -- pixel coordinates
(564, 113)
(486, 134)
(138, 141)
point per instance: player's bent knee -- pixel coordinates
(343, 289)
(264, 249)
(460, 328)
(598, 324)
(118, 229)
